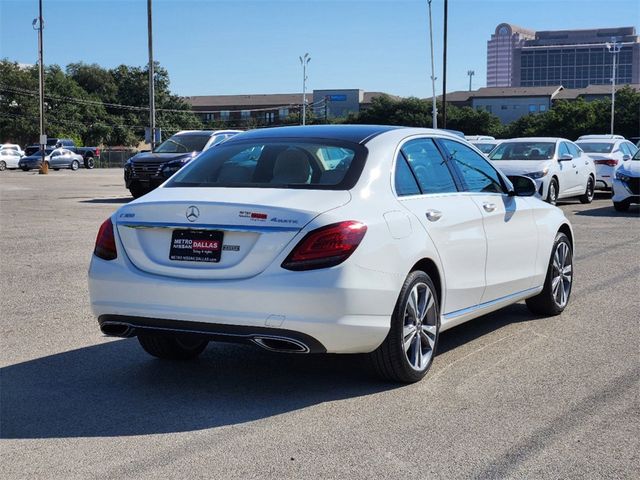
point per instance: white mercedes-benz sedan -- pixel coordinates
(335, 238)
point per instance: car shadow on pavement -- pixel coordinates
(115, 389)
(609, 211)
(108, 200)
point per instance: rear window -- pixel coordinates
(524, 151)
(589, 147)
(311, 164)
(183, 144)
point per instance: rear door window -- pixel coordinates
(405, 182)
(478, 174)
(428, 166)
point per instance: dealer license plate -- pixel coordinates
(196, 245)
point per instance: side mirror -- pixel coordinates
(626, 157)
(522, 186)
(565, 157)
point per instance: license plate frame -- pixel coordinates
(189, 245)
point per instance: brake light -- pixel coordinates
(97, 152)
(326, 247)
(106, 242)
(611, 162)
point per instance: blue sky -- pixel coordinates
(252, 46)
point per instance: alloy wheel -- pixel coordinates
(420, 326)
(562, 275)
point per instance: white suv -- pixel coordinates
(558, 166)
(608, 152)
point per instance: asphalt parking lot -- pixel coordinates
(509, 394)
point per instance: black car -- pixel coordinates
(147, 170)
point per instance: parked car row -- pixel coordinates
(86, 156)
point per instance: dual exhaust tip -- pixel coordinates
(271, 343)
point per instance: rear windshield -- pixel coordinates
(484, 147)
(590, 147)
(183, 144)
(524, 151)
(311, 164)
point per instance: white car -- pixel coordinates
(8, 159)
(260, 240)
(626, 184)
(559, 167)
(607, 154)
(14, 147)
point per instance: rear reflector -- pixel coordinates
(326, 247)
(609, 162)
(105, 242)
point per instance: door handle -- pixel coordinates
(489, 207)
(434, 215)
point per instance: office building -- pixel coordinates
(518, 57)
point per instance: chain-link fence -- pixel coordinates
(114, 157)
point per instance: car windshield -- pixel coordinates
(275, 164)
(39, 152)
(183, 144)
(484, 147)
(636, 156)
(524, 151)
(592, 147)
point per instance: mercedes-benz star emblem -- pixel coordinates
(192, 213)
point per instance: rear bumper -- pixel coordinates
(343, 309)
(133, 326)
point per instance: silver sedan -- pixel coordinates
(63, 158)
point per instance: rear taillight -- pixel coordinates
(611, 162)
(97, 152)
(326, 247)
(105, 242)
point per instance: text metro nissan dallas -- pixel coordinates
(342, 238)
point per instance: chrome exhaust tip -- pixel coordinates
(117, 329)
(281, 344)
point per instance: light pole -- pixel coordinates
(304, 61)
(434, 108)
(152, 100)
(614, 48)
(44, 168)
(444, 66)
(471, 73)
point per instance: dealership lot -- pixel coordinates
(509, 394)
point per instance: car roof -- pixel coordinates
(350, 133)
(205, 132)
(601, 137)
(600, 140)
(536, 139)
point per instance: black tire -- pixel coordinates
(172, 347)
(56, 169)
(621, 206)
(25, 169)
(589, 191)
(75, 165)
(391, 359)
(137, 190)
(3, 165)
(552, 193)
(546, 302)
(89, 163)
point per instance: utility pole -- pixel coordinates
(326, 109)
(44, 167)
(304, 61)
(434, 108)
(444, 67)
(152, 100)
(614, 48)
(471, 73)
